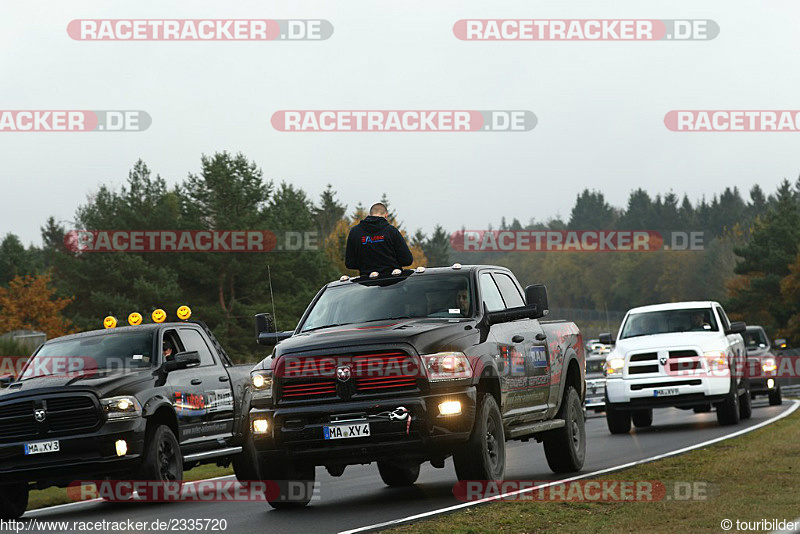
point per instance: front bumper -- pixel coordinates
(84, 456)
(298, 432)
(595, 393)
(761, 385)
(643, 392)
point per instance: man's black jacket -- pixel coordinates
(376, 245)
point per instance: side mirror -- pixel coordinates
(536, 295)
(606, 338)
(264, 323)
(182, 360)
(737, 327)
(6, 380)
(273, 338)
(781, 343)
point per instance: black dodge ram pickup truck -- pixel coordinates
(417, 367)
(107, 403)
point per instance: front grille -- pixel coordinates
(683, 354)
(637, 387)
(646, 357)
(72, 413)
(690, 361)
(643, 369)
(64, 413)
(310, 390)
(315, 377)
(394, 370)
(16, 420)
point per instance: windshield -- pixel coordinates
(669, 321)
(86, 355)
(754, 339)
(441, 295)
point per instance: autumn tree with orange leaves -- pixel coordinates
(29, 303)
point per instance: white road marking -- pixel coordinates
(455, 507)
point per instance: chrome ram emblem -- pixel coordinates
(343, 373)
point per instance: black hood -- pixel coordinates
(372, 224)
(104, 383)
(425, 336)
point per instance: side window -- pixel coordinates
(726, 324)
(490, 294)
(170, 344)
(509, 290)
(194, 341)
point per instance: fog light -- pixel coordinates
(122, 447)
(260, 426)
(450, 408)
(770, 383)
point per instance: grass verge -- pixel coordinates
(52, 496)
(749, 478)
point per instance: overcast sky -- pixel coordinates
(600, 105)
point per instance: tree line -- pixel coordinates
(750, 258)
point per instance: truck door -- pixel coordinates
(214, 383)
(530, 343)
(185, 389)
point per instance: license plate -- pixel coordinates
(358, 430)
(666, 392)
(41, 447)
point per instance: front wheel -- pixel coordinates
(13, 500)
(728, 410)
(618, 421)
(246, 464)
(775, 397)
(294, 483)
(483, 457)
(565, 448)
(162, 456)
(642, 418)
(398, 475)
(745, 405)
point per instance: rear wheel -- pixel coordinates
(483, 457)
(618, 421)
(775, 397)
(642, 418)
(13, 500)
(565, 448)
(294, 483)
(398, 475)
(728, 410)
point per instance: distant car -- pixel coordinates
(762, 365)
(596, 380)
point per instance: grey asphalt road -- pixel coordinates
(359, 497)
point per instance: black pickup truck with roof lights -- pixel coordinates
(413, 367)
(112, 405)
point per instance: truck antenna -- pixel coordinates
(272, 298)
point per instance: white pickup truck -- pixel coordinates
(683, 354)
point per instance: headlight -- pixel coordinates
(716, 359)
(768, 365)
(262, 383)
(120, 408)
(447, 366)
(613, 366)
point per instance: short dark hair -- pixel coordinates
(379, 208)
